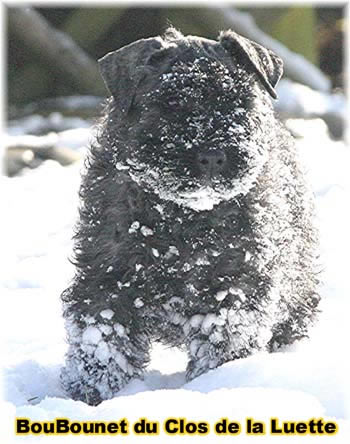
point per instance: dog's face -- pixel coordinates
(199, 138)
(195, 128)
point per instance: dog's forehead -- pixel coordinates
(197, 47)
(196, 70)
(201, 41)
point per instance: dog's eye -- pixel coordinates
(174, 102)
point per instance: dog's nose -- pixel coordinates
(211, 163)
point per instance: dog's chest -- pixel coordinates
(187, 252)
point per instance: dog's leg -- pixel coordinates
(215, 339)
(207, 353)
(102, 358)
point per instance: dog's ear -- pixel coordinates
(123, 69)
(264, 62)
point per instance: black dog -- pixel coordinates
(195, 224)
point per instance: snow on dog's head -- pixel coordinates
(193, 128)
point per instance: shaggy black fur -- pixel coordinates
(195, 222)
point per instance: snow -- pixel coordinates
(138, 302)
(92, 335)
(307, 380)
(107, 314)
(155, 252)
(304, 101)
(220, 295)
(134, 227)
(36, 123)
(146, 231)
(102, 351)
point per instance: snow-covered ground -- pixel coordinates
(309, 380)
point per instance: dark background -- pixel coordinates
(315, 32)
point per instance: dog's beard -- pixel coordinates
(197, 193)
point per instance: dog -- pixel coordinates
(196, 223)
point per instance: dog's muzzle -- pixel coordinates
(211, 163)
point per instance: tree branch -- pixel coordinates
(56, 49)
(296, 67)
